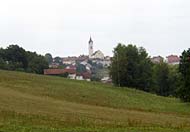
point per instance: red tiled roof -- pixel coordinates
(53, 71)
(58, 71)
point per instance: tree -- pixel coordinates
(2, 53)
(144, 78)
(131, 67)
(16, 56)
(65, 75)
(81, 68)
(37, 63)
(58, 60)
(184, 68)
(2, 61)
(161, 79)
(174, 79)
(49, 58)
(119, 62)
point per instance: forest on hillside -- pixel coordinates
(18, 59)
(132, 67)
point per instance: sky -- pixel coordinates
(63, 27)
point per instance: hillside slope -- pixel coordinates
(35, 103)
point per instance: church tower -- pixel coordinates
(90, 47)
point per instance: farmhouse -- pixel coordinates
(69, 72)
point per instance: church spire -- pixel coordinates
(90, 41)
(90, 47)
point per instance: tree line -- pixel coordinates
(132, 67)
(18, 59)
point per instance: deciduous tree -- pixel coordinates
(184, 68)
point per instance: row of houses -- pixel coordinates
(105, 62)
(171, 59)
(69, 65)
(69, 72)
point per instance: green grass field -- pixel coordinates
(35, 103)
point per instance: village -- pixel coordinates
(92, 67)
(85, 67)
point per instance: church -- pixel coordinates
(94, 55)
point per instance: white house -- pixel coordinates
(98, 55)
(78, 77)
(72, 76)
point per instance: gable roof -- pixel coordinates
(59, 71)
(98, 51)
(54, 71)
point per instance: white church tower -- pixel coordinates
(90, 48)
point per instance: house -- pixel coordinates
(86, 64)
(84, 76)
(72, 76)
(157, 59)
(82, 58)
(69, 60)
(106, 62)
(71, 72)
(88, 67)
(98, 55)
(87, 76)
(71, 67)
(173, 59)
(106, 80)
(54, 65)
(54, 71)
(79, 77)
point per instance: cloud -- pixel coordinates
(63, 27)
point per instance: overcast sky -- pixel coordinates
(63, 27)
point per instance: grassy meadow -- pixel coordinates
(36, 103)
